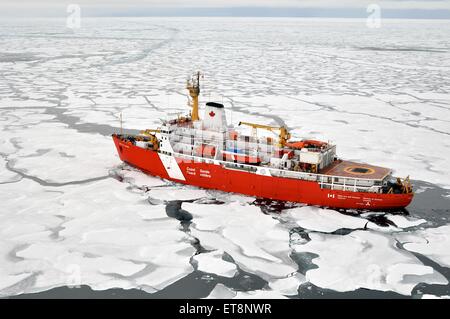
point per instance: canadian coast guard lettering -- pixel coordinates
(205, 173)
(190, 171)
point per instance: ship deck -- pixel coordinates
(355, 170)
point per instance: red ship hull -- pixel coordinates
(212, 176)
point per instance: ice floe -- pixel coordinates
(255, 241)
(365, 259)
(163, 276)
(71, 157)
(212, 262)
(140, 179)
(287, 286)
(7, 176)
(428, 296)
(91, 232)
(8, 280)
(405, 222)
(324, 220)
(221, 291)
(176, 193)
(15, 103)
(431, 242)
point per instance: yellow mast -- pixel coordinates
(193, 85)
(284, 135)
(121, 129)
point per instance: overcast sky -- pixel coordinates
(331, 8)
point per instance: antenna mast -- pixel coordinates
(121, 128)
(193, 85)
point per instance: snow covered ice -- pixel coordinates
(363, 259)
(73, 214)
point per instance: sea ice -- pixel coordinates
(255, 241)
(164, 276)
(324, 220)
(59, 106)
(8, 280)
(140, 179)
(221, 291)
(7, 176)
(431, 242)
(64, 159)
(98, 230)
(176, 193)
(287, 286)
(404, 222)
(365, 259)
(428, 296)
(212, 262)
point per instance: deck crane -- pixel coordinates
(148, 133)
(283, 136)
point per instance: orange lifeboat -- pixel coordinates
(314, 143)
(206, 150)
(233, 135)
(305, 143)
(296, 145)
(240, 158)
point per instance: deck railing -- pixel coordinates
(332, 182)
(325, 181)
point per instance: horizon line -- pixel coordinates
(244, 12)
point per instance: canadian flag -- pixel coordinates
(214, 119)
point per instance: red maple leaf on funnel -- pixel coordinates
(212, 114)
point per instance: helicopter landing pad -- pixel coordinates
(356, 170)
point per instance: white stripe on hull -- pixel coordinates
(171, 166)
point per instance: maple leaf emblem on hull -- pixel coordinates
(212, 114)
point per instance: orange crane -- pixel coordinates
(283, 136)
(152, 137)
